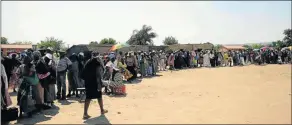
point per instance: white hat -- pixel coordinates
(81, 53)
(50, 56)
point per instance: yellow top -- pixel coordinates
(120, 65)
(225, 56)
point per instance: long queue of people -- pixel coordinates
(35, 75)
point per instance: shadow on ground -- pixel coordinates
(148, 77)
(102, 119)
(117, 96)
(65, 102)
(40, 117)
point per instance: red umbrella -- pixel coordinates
(265, 48)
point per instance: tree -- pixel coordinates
(4, 40)
(288, 37)
(52, 42)
(256, 46)
(93, 43)
(247, 46)
(217, 47)
(170, 41)
(273, 44)
(108, 41)
(280, 44)
(22, 42)
(143, 36)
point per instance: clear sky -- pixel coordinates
(79, 22)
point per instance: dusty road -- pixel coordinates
(242, 95)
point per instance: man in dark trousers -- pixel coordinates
(62, 67)
(92, 74)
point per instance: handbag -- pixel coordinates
(9, 114)
(33, 80)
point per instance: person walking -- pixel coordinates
(92, 75)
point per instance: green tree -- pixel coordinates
(4, 40)
(170, 41)
(280, 44)
(108, 41)
(93, 43)
(247, 46)
(288, 37)
(143, 36)
(22, 42)
(273, 44)
(217, 47)
(52, 42)
(256, 46)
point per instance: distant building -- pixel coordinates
(225, 48)
(190, 47)
(85, 47)
(13, 48)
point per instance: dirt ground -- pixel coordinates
(229, 95)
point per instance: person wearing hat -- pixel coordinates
(50, 89)
(92, 76)
(62, 67)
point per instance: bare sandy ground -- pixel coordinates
(241, 95)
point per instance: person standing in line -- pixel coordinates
(50, 87)
(212, 59)
(5, 97)
(81, 62)
(226, 58)
(171, 61)
(73, 75)
(141, 60)
(62, 67)
(206, 59)
(131, 65)
(162, 61)
(92, 75)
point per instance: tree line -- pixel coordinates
(144, 36)
(285, 42)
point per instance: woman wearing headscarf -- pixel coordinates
(155, 62)
(141, 59)
(149, 65)
(43, 73)
(92, 75)
(171, 61)
(50, 88)
(15, 64)
(131, 65)
(206, 59)
(27, 92)
(180, 58)
(162, 61)
(123, 68)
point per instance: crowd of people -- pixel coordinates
(35, 74)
